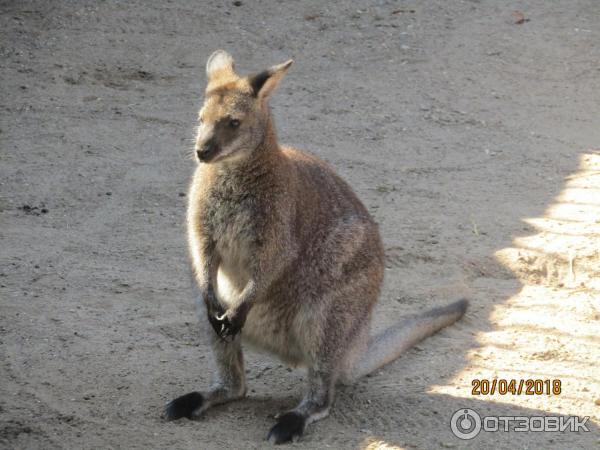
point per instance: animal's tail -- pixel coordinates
(392, 342)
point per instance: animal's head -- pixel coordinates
(234, 119)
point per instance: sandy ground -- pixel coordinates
(473, 140)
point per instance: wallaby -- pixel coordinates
(284, 255)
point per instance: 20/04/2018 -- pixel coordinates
(515, 387)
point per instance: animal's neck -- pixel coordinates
(268, 145)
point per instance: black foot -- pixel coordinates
(289, 427)
(183, 406)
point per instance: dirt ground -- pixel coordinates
(471, 132)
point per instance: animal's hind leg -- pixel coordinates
(228, 379)
(314, 406)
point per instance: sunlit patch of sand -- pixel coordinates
(376, 444)
(551, 328)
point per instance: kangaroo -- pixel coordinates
(285, 257)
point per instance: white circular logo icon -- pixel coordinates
(465, 424)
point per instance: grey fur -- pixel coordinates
(284, 247)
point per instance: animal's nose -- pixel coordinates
(207, 151)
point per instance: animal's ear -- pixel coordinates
(220, 62)
(265, 82)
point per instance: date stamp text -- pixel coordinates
(503, 386)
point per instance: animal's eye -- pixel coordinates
(234, 123)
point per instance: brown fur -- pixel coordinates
(286, 249)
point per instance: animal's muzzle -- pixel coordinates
(208, 151)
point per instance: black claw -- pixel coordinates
(289, 427)
(183, 406)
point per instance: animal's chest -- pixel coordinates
(230, 219)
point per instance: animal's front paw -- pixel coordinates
(188, 405)
(289, 427)
(214, 310)
(231, 322)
